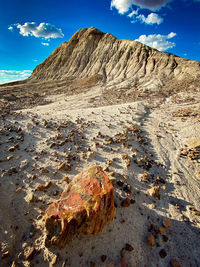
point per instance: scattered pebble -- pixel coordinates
(162, 253)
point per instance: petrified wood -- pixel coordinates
(86, 206)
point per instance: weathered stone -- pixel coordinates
(86, 206)
(151, 240)
(155, 192)
(162, 253)
(29, 253)
(128, 247)
(126, 202)
(175, 263)
(30, 197)
(62, 166)
(167, 223)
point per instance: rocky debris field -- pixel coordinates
(149, 151)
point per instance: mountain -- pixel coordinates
(92, 57)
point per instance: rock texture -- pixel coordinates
(86, 206)
(92, 57)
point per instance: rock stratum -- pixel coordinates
(92, 57)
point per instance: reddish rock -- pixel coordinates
(86, 206)
(175, 263)
(126, 202)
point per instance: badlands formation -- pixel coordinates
(117, 104)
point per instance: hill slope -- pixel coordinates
(91, 52)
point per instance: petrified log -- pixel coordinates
(86, 207)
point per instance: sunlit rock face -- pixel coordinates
(86, 206)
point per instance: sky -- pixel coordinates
(31, 30)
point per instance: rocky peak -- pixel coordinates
(91, 52)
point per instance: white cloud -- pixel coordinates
(45, 44)
(121, 5)
(124, 5)
(158, 41)
(13, 75)
(10, 28)
(133, 13)
(151, 19)
(44, 30)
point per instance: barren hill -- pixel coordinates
(91, 53)
(118, 70)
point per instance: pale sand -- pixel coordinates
(165, 136)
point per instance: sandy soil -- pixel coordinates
(166, 133)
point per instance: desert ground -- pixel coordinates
(150, 149)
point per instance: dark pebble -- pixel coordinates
(162, 253)
(128, 247)
(103, 258)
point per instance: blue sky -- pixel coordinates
(31, 30)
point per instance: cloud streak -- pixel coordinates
(158, 41)
(13, 75)
(151, 19)
(43, 30)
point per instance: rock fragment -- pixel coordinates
(126, 202)
(86, 206)
(167, 223)
(151, 240)
(29, 253)
(155, 192)
(174, 263)
(162, 253)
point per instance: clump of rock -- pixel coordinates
(86, 206)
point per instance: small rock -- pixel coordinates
(13, 148)
(111, 173)
(5, 254)
(145, 176)
(126, 202)
(160, 180)
(128, 163)
(66, 179)
(175, 263)
(106, 169)
(48, 184)
(10, 157)
(54, 260)
(29, 253)
(165, 238)
(19, 189)
(14, 264)
(155, 192)
(120, 183)
(167, 223)
(151, 240)
(23, 164)
(90, 155)
(30, 198)
(162, 230)
(124, 156)
(40, 187)
(113, 180)
(128, 247)
(109, 162)
(162, 253)
(62, 166)
(103, 258)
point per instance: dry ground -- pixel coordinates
(161, 138)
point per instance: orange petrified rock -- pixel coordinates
(86, 206)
